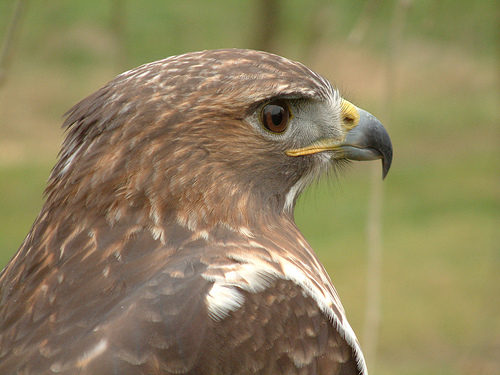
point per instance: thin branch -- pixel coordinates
(6, 53)
(374, 235)
(362, 24)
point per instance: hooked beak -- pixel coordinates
(368, 140)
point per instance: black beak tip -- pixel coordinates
(386, 165)
(377, 138)
(386, 151)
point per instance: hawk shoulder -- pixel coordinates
(190, 316)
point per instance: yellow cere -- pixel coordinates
(350, 115)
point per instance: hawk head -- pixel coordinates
(209, 137)
(167, 243)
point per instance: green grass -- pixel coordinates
(440, 282)
(21, 199)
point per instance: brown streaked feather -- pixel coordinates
(284, 332)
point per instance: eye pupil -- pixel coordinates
(275, 116)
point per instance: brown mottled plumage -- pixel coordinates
(167, 243)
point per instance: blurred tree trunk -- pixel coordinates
(118, 26)
(268, 20)
(316, 29)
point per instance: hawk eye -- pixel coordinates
(275, 116)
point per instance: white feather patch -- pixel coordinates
(93, 353)
(222, 299)
(322, 165)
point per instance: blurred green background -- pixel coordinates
(427, 69)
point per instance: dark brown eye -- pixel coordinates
(275, 116)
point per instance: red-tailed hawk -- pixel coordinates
(167, 243)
